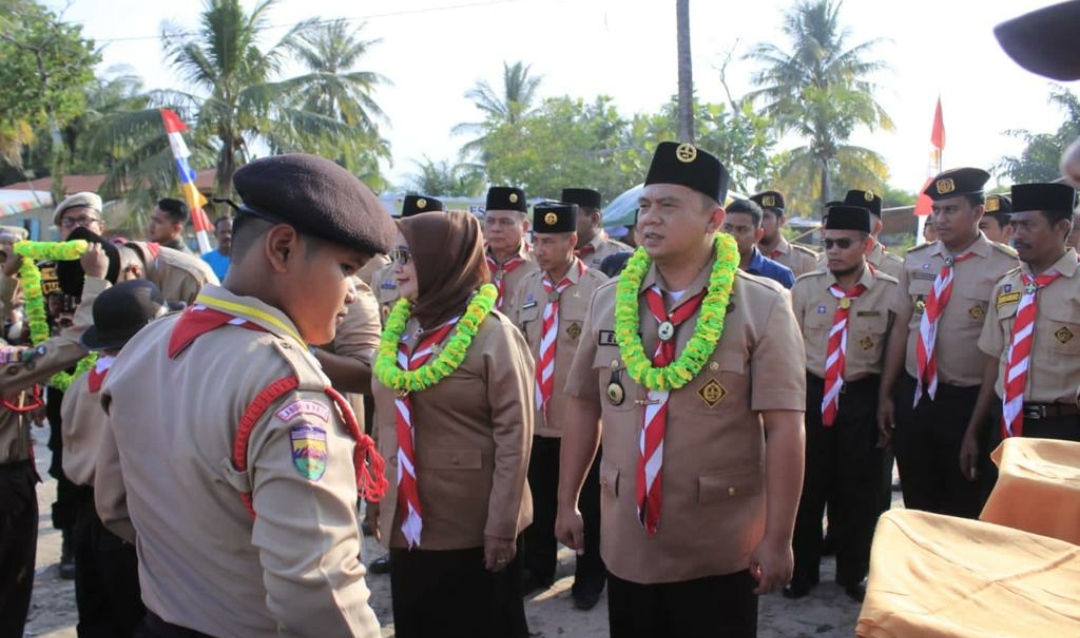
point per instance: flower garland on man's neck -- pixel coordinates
(31, 251)
(707, 329)
(390, 374)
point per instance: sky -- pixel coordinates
(436, 50)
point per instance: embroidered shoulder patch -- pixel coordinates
(309, 453)
(302, 407)
(712, 393)
(1007, 298)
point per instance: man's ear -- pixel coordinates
(281, 244)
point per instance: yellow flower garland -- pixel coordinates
(707, 330)
(390, 374)
(30, 276)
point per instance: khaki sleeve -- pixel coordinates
(306, 527)
(110, 495)
(510, 375)
(901, 304)
(358, 335)
(991, 339)
(582, 379)
(778, 362)
(798, 301)
(512, 309)
(8, 286)
(61, 351)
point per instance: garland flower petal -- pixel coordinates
(30, 276)
(707, 330)
(390, 374)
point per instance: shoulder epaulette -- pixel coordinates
(915, 249)
(805, 249)
(1008, 250)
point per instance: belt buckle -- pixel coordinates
(1037, 411)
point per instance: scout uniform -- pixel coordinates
(845, 332)
(567, 301)
(1046, 405)
(263, 539)
(713, 486)
(382, 282)
(507, 275)
(797, 258)
(178, 275)
(600, 246)
(930, 426)
(18, 508)
(878, 257)
(374, 265)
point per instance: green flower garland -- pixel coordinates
(31, 251)
(707, 331)
(390, 374)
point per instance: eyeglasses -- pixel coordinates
(400, 256)
(72, 222)
(843, 243)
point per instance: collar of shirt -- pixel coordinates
(981, 247)
(573, 274)
(251, 309)
(782, 246)
(521, 252)
(757, 263)
(701, 280)
(1067, 265)
(867, 278)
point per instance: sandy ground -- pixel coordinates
(825, 613)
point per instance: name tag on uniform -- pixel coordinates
(389, 284)
(607, 338)
(1007, 298)
(927, 276)
(526, 306)
(868, 313)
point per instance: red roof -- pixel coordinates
(204, 181)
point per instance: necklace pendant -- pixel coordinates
(666, 331)
(1030, 288)
(401, 394)
(498, 276)
(553, 296)
(845, 303)
(949, 260)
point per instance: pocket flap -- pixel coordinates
(442, 459)
(715, 487)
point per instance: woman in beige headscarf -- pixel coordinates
(455, 423)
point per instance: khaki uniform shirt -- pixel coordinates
(527, 312)
(178, 275)
(1054, 368)
(959, 362)
(473, 435)
(799, 259)
(869, 321)
(371, 267)
(15, 442)
(714, 449)
(601, 247)
(82, 424)
(878, 257)
(204, 563)
(511, 280)
(385, 289)
(358, 337)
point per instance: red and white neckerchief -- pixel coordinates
(549, 335)
(925, 356)
(499, 273)
(836, 357)
(198, 320)
(1019, 358)
(96, 376)
(649, 492)
(408, 488)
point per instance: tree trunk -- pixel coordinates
(826, 183)
(686, 74)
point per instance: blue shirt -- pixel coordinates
(764, 267)
(218, 263)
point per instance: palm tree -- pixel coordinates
(445, 179)
(819, 89)
(686, 72)
(508, 107)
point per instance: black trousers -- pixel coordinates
(927, 441)
(711, 607)
(843, 470)
(153, 626)
(541, 547)
(18, 544)
(63, 509)
(450, 594)
(106, 576)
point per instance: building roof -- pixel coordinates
(204, 181)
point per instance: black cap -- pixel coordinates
(318, 197)
(123, 310)
(554, 217)
(770, 199)
(956, 182)
(864, 199)
(416, 204)
(70, 274)
(1044, 41)
(689, 166)
(1057, 200)
(848, 218)
(583, 197)
(506, 198)
(998, 205)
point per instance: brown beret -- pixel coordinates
(318, 197)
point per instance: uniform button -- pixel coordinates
(731, 491)
(286, 345)
(455, 460)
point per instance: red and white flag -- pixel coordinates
(195, 200)
(937, 144)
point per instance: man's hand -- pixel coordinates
(885, 422)
(771, 564)
(570, 529)
(95, 263)
(969, 455)
(12, 264)
(498, 552)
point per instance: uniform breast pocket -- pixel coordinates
(868, 330)
(818, 322)
(1060, 328)
(729, 485)
(570, 327)
(975, 308)
(618, 392)
(527, 315)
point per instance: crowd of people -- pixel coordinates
(473, 391)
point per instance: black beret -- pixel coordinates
(584, 197)
(998, 205)
(864, 199)
(506, 198)
(689, 166)
(416, 204)
(122, 311)
(770, 199)
(317, 197)
(848, 218)
(1044, 41)
(554, 217)
(1057, 199)
(70, 273)
(956, 182)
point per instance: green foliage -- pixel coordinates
(504, 107)
(446, 179)
(1041, 157)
